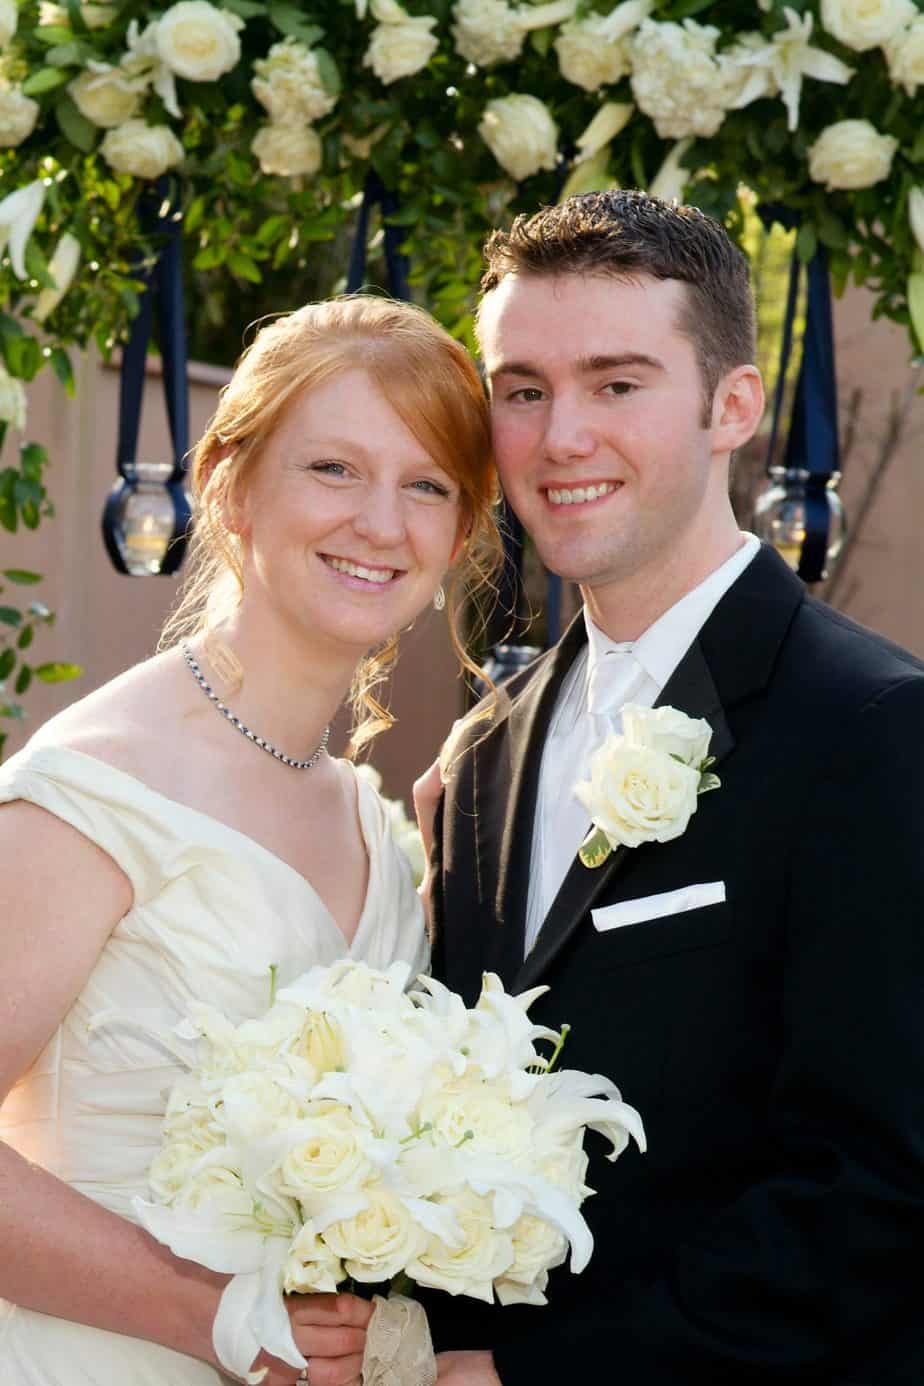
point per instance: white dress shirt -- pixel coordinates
(605, 676)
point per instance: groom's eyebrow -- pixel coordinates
(586, 365)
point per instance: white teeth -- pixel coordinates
(580, 493)
(342, 565)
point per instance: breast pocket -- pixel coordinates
(672, 921)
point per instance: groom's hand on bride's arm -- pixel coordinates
(466, 1369)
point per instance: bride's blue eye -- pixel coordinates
(329, 468)
(430, 487)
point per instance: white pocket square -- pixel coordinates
(691, 897)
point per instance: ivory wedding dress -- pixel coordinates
(212, 912)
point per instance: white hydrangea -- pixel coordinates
(865, 24)
(492, 31)
(292, 151)
(851, 154)
(144, 151)
(18, 116)
(521, 134)
(288, 84)
(678, 79)
(595, 51)
(905, 56)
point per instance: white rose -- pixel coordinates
(218, 1189)
(94, 16)
(851, 154)
(679, 81)
(669, 730)
(311, 1267)
(288, 84)
(197, 41)
(291, 151)
(537, 1248)
(144, 151)
(254, 1106)
(586, 58)
(905, 56)
(106, 96)
(400, 49)
(9, 18)
(521, 134)
(635, 795)
(12, 400)
(171, 1167)
(331, 1157)
(863, 24)
(378, 1242)
(470, 1268)
(18, 116)
(916, 215)
(481, 1114)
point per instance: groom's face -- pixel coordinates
(597, 406)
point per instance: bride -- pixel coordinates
(182, 835)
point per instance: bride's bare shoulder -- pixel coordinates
(124, 721)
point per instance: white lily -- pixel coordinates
(671, 178)
(251, 1314)
(916, 215)
(780, 65)
(62, 267)
(502, 1036)
(610, 120)
(19, 212)
(564, 1102)
(589, 175)
(622, 19)
(143, 60)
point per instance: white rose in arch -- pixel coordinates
(9, 18)
(905, 56)
(12, 400)
(400, 44)
(198, 41)
(864, 24)
(851, 154)
(288, 85)
(106, 96)
(521, 134)
(291, 151)
(144, 151)
(18, 116)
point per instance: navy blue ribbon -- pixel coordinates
(163, 290)
(375, 193)
(812, 446)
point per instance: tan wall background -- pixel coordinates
(107, 622)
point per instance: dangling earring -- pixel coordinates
(439, 598)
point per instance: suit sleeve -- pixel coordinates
(812, 1274)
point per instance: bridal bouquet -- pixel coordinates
(361, 1132)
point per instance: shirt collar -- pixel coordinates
(662, 646)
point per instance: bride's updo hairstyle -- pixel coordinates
(431, 383)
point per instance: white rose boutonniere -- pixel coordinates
(644, 784)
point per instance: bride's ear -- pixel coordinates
(219, 493)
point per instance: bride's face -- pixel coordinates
(348, 524)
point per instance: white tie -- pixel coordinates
(613, 680)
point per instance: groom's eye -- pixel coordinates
(527, 394)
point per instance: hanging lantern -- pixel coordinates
(781, 514)
(147, 512)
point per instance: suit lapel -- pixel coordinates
(742, 661)
(506, 767)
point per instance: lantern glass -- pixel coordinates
(145, 519)
(779, 515)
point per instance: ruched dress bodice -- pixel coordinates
(213, 912)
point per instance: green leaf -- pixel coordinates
(24, 638)
(541, 41)
(806, 242)
(33, 459)
(193, 218)
(10, 616)
(14, 711)
(7, 663)
(61, 365)
(595, 849)
(916, 152)
(21, 576)
(46, 79)
(23, 357)
(209, 257)
(58, 673)
(66, 54)
(247, 9)
(327, 71)
(242, 265)
(708, 782)
(52, 34)
(272, 229)
(23, 679)
(75, 127)
(290, 20)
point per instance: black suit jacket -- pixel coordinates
(774, 1043)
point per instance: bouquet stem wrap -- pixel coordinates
(398, 1347)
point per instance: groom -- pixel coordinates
(756, 985)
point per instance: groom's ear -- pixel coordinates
(737, 408)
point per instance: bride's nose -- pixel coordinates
(379, 517)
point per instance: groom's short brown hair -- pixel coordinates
(625, 234)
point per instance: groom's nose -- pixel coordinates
(568, 434)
